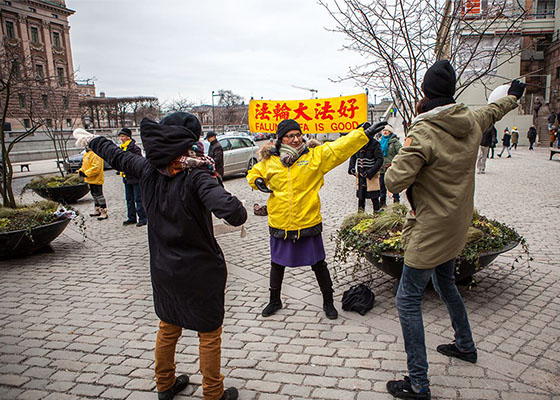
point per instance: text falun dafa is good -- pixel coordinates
(332, 115)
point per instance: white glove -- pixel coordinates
(83, 137)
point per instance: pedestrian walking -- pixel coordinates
(216, 152)
(485, 142)
(432, 239)
(188, 270)
(514, 137)
(493, 142)
(292, 173)
(133, 194)
(390, 147)
(551, 120)
(532, 136)
(365, 166)
(537, 103)
(506, 141)
(92, 172)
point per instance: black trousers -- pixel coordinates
(97, 194)
(321, 273)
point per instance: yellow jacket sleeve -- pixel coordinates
(94, 168)
(257, 171)
(333, 154)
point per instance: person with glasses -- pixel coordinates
(292, 173)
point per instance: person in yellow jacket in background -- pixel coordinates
(92, 172)
(293, 173)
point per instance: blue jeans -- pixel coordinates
(409, 302)
(134, 206)
(383, 191)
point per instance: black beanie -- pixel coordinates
(439, 85)
(185, 119)
(286, 126)
(126, 132)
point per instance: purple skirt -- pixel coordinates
(295, 253)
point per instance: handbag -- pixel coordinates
(358, 298)
(260, 210)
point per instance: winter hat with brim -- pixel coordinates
(439, 85)
(284, 127)
(126, 132)
(163, 143)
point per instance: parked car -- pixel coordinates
(259, 136)
(74, 163)
(240, 153)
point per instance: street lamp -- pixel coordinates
(213, 114)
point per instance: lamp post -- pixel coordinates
(213, 114)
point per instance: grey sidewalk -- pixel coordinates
(79, 322)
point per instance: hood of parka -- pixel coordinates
(455, 119)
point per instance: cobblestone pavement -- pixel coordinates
(79, 322)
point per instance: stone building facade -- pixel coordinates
(39, 33)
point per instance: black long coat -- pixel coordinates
(187, 266)
(367, 161)
(216, 151)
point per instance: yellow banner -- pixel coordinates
(333, 115)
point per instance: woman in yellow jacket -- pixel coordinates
(293, 174)
(92, 172)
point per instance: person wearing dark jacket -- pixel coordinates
(493, 142)
(506, 143)
(485, 142)
(436, 167)
(532, 136)
(132, 191)
(365, 166)
(216, 151)
(188, 271)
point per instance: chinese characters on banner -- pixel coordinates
(333, 115)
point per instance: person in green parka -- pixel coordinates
(436, 167)
(390, 147)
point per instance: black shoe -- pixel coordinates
(141, 223)
(403, 390)
(180, 384)
(499, 155)
(508, 156)
(451, 350)
(230, 394)
(271, 308)
(330, 311)
(128, 222)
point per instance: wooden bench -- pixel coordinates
(553, 151)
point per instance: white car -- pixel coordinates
(240, 153)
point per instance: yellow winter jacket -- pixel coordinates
(294, 204)
(92, 167)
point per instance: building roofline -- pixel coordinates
(51, 5)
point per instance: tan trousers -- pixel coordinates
(482, 156)
(210, 353)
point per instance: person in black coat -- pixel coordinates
(506, 143)
(485, 143)
(188, 270)
(216, 151)
(365, 165)
(532, 136)
(132, 191)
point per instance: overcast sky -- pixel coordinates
(187, 48)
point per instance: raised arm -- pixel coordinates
(125, 161)
(218, 200)
(333, 154)
(488, 115)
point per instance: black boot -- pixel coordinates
(325, 284)
(274, 305)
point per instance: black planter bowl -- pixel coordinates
(63, 194)
(21, 243)
(392, 264)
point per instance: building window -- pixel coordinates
(68, 123)
(45, 100)
(56, 39)
(34, 35)
(60, 75)
(32, 9)
(65, 102)
(558, 73)
(8, 3)
(49, 123)
(21, 98)
(15, 69)
(55, 16)
(39, 71)
(10, 31)
(26, 123)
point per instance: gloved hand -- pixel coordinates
(517, 88)
(261, 185)
(81, 173)
(364, 125)
(375, 129)
(82, 137)
(352, 172)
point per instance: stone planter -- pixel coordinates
(21, 243)
(392, 264)
(63, 194)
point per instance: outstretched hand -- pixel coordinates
(517, 88)
(375, 129)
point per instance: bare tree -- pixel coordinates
(119, 111)
(180, 104)
(229, 106)
(400, 39)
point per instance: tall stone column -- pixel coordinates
(68, 52)
(51, 70)
(22, 22)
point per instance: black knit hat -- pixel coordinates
(286, 126)
(185, 119)
(210, 134)
(439, 85)
(126, 132)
